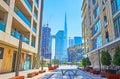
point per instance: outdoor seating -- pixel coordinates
(51, 68)
(18, 77)
(29, 75)
(42, 71)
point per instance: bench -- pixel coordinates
(17, 77)
(42, 71)
(29, 75)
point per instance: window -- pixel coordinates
(105, 20)
(115, 4)
(1, 52)
(96, 28)
(117, 27)
(106, 37)
(97, 42)
(96, 12)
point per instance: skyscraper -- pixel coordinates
(46, 38)
(71, 42)
(61, 44)
(78, 40)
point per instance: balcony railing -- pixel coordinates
(2, 26)
(25, 39)
(22, 16)
(28, 5)
(34, 29)
(17, 35)
(35, 15)
(36, 2)
(33, 43)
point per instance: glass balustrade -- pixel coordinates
(33, 43)
(34, 29)
(28, 5)
(2, 26)
(22, 16)
(35, 15)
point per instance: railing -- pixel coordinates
(25, 39)
(34, 29)
(22, 16)
(36, 2)
(17, 35)
(2, 26)
(28, 5)
(33, 43)
(35, 15)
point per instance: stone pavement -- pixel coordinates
(56, 74)
(24, 73)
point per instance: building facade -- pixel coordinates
(18, 17)
(75, 53)
(100, 28)
(61, 44)
(78, 40)
(71, 42)
(46, 38)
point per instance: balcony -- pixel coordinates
(17, 34)
(34, 29)
(25, 39)
(2, 26)
(36, 2)
(22, 16)
(35, 15)
(28, 5)
(33, 43)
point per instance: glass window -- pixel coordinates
(96, 28)
(96, 12)
(117, 27)
(97, 42)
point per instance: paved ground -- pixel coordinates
(57, 74)
(23, 73)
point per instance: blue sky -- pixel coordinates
(54, 15)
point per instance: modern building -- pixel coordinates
(71, 42)
(100, 28)
(19, 17)
(61, 44)
(75, 53)
(46, 38)
(78, 40)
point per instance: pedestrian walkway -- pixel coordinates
(24, 73)
(57, 74)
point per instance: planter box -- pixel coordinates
(18, 77)
(42, 71)
(103, 74)
(29, 75)
(111, 76)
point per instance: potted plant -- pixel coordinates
(116, 60)
(56, 62)
(65, 63)
(105, 60)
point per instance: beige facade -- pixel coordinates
(99, 28)
(18, 17)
